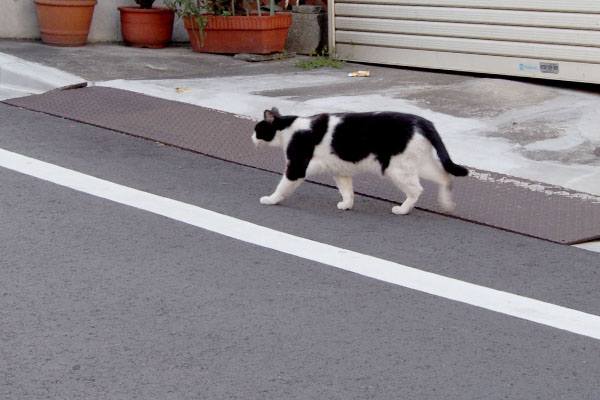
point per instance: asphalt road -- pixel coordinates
(103, 301)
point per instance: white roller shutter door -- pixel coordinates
(542, 39)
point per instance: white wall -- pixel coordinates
(18, 20)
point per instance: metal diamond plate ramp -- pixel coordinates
(513, 204)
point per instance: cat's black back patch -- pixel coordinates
(382, 134)
(302, 146)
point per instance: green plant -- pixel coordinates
(187, 8)
(319, 60)
(145, 3)
(197, 10)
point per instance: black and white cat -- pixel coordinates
(394, 145)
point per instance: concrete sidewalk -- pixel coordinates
(541, 131)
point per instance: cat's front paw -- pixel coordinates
(268, 200)
(343, 205)
(400, 210)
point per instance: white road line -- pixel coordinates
(480, 296)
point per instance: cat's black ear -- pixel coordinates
(270, 115)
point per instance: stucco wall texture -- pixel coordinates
(18, 20)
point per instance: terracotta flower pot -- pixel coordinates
(240, 34)
(65, 22)
(147, 27)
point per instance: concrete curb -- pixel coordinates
(21, 78)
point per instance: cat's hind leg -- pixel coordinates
(432, 170)
(283, 190)
(344, 185)
(409, 183)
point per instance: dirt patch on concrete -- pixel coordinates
(481, 98)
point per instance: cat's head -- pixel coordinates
(265, 132)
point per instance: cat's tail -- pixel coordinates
(428, 130)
